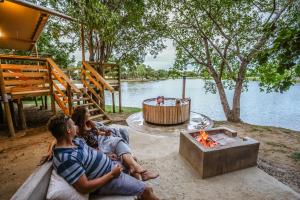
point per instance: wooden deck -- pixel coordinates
(25, 76)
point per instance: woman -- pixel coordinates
(113, 142)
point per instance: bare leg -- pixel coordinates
(136, 169)
(132, 164)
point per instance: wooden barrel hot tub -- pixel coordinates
(168, 113)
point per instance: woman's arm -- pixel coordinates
(85, 186)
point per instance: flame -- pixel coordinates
(203, 139)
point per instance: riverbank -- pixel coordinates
(19, 156)
(143, 79)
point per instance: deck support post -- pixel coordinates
(119, 82)
(6, 104)
(53, 108)
(183, 86)
(46, 102)
(36, 103)
(1, 114)
(113, 102)
(21, 115)
(43, 105)
(9, 118)
(13, 114)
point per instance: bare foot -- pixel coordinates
(149, 175)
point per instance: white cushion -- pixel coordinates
(59, 189)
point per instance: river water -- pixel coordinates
(260, 108)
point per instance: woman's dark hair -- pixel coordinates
(79, 118)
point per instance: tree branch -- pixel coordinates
(266, 36)
(204, 35)
(190, 53)
(225, 55)
(216, 23)
(270, 16)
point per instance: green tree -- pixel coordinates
(279, 65)
(221, 38)
(116, 30)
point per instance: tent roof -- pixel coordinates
(21, 23)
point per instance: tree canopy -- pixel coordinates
(222, 38)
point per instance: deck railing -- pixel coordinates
(23, 73)
(61, 88)
(27, 76)
(89, 77)
(23, 76)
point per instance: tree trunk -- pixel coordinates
(236, 103)
(223, 99)
(91, 46)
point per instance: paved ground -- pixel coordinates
(197, 121)
(178, 180)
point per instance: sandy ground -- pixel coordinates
(19, 156)
(178, 180)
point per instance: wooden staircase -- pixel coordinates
(27, 76)
(68, 96)
(110, 73)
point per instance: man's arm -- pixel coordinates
(84, 186)
(49, 154)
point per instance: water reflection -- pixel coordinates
(274, 109)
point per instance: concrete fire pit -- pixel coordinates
(231, 152)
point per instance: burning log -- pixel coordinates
(205, 140)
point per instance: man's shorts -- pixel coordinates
(122, 185)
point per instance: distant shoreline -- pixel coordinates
(163, 79)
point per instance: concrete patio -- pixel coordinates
(178, 180)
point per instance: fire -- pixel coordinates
(203, 139)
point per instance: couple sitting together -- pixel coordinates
(91, 157)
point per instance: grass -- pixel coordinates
(296, 156)
(30, 101)
(108, 108)
(256, 129)
(277, 145)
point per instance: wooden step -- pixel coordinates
(93, 109)
(97, 116)
(81, 99)
(87, 104)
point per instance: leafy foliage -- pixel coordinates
(279, 65)
(116, 30)
(221, 39)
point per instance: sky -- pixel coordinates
(164, 60)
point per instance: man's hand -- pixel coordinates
(101, 133)
(116, 171)
(104, 132)
(112, 156)
(107, 133)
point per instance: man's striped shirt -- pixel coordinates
(72, 163)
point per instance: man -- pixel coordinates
(87, 169)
